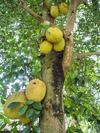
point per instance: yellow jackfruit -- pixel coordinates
(60, 45)
(24, 119)
(16, 97)
(36, 90)
(54, 34)
(45, 47)
(63, 8)
(54, 11)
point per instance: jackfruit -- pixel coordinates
(60, 45)
(54, 11)
(15, 97)
(45, 47)
(36, 90)
(24, 119)
(54, 34)
(63, 8)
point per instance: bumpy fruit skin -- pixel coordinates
(45, 47)
(54, 34)
(63, 8)
(16, 97)
(60, 45)
(24, 119)
(54, 11)
(36, 90)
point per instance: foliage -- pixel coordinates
(20, 35)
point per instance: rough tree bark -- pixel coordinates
(52, 119)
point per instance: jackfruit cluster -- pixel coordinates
(54, 41)
(56, 10)
(36, 90)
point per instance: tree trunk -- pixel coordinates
(52, 117)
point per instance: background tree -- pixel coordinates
(20, 61)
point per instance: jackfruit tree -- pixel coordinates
(49, 66)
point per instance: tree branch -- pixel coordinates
(25, 7)
(83, 55)
(67, 56)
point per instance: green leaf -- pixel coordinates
(68, 103)
(6, 120)
(23, 109)
(13, 105)
(1, 116)
(16, 86)
(32, 114)
(36, 129)
(2, 126)
(36, 115)
(29, 102)
(37, 106)
(44, 26)
(29, 113)
(26, 129)
(2, 101)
